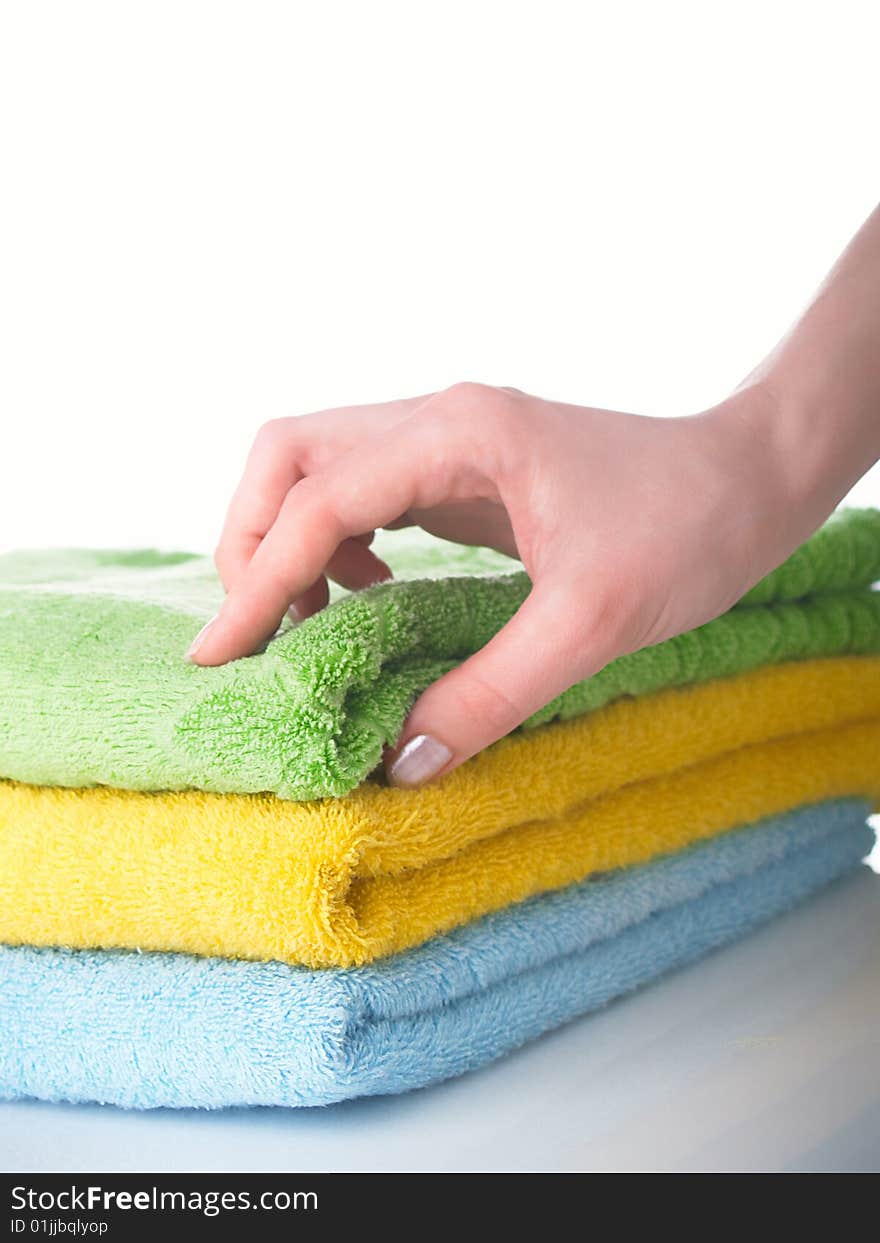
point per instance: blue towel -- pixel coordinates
(146, 1030)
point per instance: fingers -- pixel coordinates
(283, 452)
(542, 651)
(270, 473)
(417, 463)
(353, 565)
(312, 600)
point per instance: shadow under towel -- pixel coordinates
(92, 656)
(146, 1030)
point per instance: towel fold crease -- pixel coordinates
(147, 1030)
(346, 881)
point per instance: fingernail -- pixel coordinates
(200, 638)
(419, 760)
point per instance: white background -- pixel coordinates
(214, 214)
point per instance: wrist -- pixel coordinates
(819, 411)
(798, 449)
(779, 488)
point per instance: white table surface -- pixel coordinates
(761, 1057)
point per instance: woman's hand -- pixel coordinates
(631, 529)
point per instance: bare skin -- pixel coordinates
(632, 529)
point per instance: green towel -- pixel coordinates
(94, 687)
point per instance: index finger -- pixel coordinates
(367, 488)
(284, 452)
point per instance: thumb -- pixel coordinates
(545, 648)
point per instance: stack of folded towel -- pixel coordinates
(206, 899)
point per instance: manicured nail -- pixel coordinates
(200, 638)
(419, 760)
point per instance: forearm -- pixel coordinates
(819, 390)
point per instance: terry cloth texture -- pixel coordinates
(92, 643)
(345, 881)
(146, 1030)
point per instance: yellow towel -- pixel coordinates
(347, 880)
